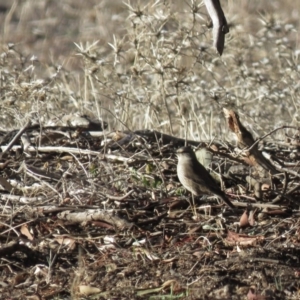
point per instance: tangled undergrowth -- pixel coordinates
(95, 99)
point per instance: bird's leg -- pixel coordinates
(192, 205)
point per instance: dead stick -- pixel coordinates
(220, 27)
(13, 141)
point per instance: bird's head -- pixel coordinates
(185, 153)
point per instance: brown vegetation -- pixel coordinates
(96, 96)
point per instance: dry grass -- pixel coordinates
(139, 65)
(152, 65)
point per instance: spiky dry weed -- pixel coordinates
(150, 64)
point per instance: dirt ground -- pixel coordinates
(118, 225)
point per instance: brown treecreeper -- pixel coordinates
(195, 178)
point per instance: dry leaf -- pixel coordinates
(253, 296)
(24, 230)
(66, 241)
(244, 222)
(233, 239)
(88, 290)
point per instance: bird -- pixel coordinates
(195, 178)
